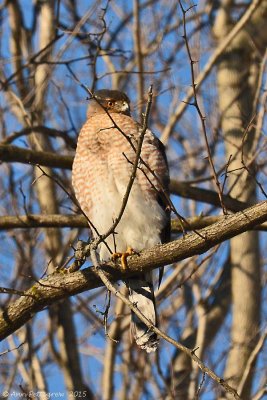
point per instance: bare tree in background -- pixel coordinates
(207, 64)
(239, 82)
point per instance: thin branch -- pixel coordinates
(32, 59)
(196, 105)
(138, 49)
(43, 130)
(208, 67)
(10, 350)
(243, 159)
(191, 353)
(134, 170)
(5, 290)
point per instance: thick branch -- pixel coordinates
(79, 221)
(43, 221)
(61, 285)
(45, 158)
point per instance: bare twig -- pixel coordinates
(244, 162)
(10, 350)
(196, 105)
(208, 67)
(138, 49)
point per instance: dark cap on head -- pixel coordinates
(115, 95)
(111, 101)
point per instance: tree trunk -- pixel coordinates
(238, 78)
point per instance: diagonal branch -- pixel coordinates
(60, 285)
(191, 353)
(133, 173)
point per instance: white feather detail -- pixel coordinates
(140, 226)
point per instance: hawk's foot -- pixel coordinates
(123, 257)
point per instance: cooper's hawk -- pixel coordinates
(101, 171)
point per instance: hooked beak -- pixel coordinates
(125, 107)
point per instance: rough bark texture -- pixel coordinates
(62, 284)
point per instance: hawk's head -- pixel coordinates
(112, 101)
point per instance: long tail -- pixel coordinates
(141, 293)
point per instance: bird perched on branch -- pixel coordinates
(103, 165)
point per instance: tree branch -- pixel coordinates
(184, 189)
(44, 130)
(45, 158)
(60, 285)
(80, 221)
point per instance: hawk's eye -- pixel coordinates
(110, 103)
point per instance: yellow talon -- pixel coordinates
(123, 257)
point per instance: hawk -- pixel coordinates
(102, 167)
